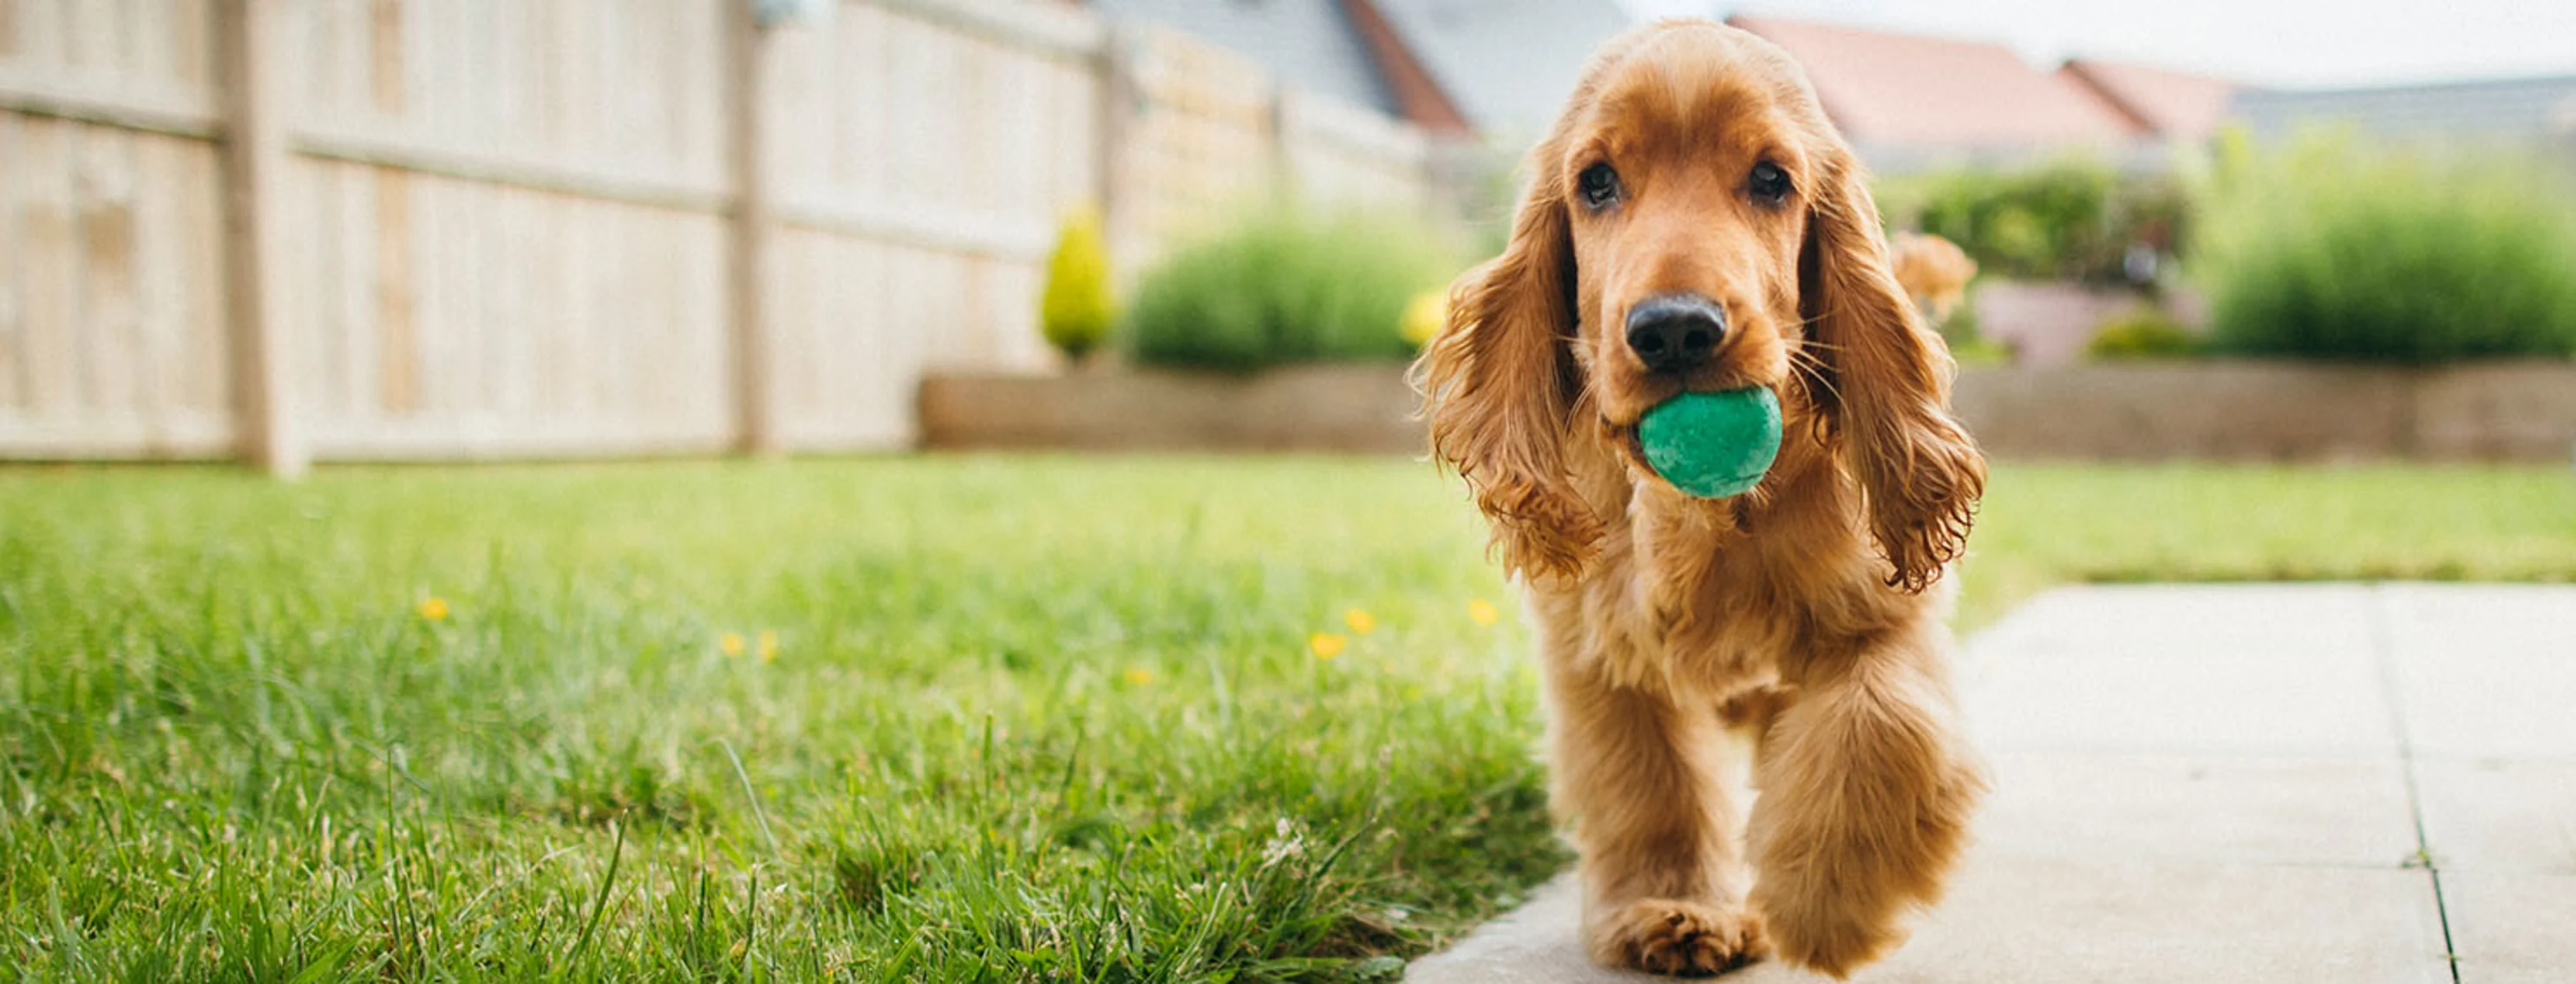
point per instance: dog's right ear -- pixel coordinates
(1888, 392)
(1498, 385)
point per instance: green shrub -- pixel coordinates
(1076, 310)
(1285, 286)
(2069, 220)
(1974, 352)
(2157, 212)
(2044, 222)
(2328, 250)
(2144, 333)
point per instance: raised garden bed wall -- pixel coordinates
(2215, 411)
(2251, 411)
(1343, 408)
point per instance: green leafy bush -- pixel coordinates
(1978, 352)
(2144, 333)
(1076, 310)
(1285, 286)
(2043, 222)
(2328, 250)
(2069, 220)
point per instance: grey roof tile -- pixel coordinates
(1507, 64)
(1307, 44)
(2511, 109)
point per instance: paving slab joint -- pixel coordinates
(2383, 655)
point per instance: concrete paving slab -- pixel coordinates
(2283, 623)
(2350, 812)
(2025, 920)
(2065, 702)
(2500, 814)
(2477, 709)
(2512, 928)
(2486, 671)
(2253, 670)
(1534, 944)
(2512, 621)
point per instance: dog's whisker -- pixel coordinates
(1814, 372)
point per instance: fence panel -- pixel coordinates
(503, 223)
(1339, 154)
(511, 228)
(1203, 144)
(923, 156)
(111, 335)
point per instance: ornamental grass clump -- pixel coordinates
(1285, 286)
(2331, 250)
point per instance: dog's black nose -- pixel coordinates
(1675, 333)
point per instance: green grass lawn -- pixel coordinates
(901, 719)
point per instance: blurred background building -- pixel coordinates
(2538, 113)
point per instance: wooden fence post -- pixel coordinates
(254, 164)
(754, 228)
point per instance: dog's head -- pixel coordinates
(1693, 223)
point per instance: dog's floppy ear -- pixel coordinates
(1887, 394)
(1498, 386)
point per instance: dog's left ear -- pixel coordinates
(1498, 386)
(1887, 385)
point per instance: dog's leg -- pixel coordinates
(1663, 874)
(1866, 789)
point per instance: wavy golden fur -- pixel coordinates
(1797, 613)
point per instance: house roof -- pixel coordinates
(1417, 93)
(1904, 90)
(1507, 64)
(1307, 44)
(2508, 109)
(2168, 104)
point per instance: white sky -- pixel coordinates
(2268, 42)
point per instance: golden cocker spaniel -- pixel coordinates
(1693, 223)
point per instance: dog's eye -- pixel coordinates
(1768, 183)
(1599, 185)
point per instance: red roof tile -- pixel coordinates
(1901, 89)
(2170, 104)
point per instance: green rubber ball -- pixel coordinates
(1713, 445)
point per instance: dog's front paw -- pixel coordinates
(1685, 939)
(1822, 933)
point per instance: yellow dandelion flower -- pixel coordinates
(1139, 676)
(1360, 621)
(434, 608)
(731, 643)
(768, 645)
(1483, 612)
(1326, 644)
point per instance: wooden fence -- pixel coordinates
(290, 230)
